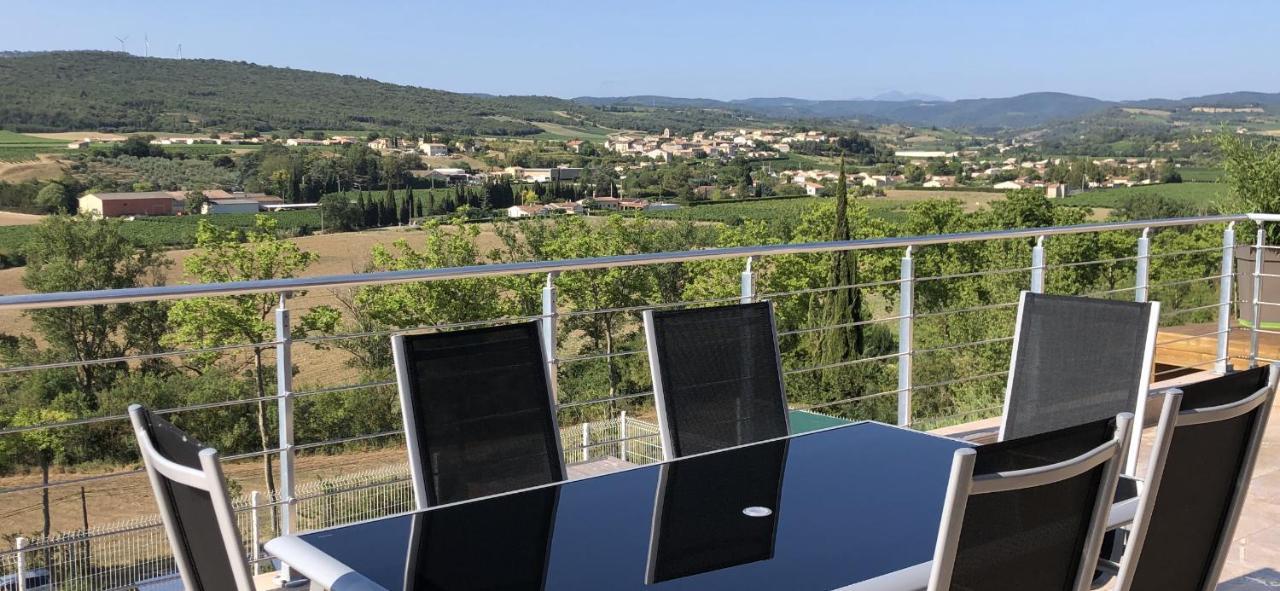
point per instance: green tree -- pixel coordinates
(45, 445)
(205, 323)
(1253, 174)
(54, 198)
(339, 213)
(194, 202)
(840, 306)
(83, 254)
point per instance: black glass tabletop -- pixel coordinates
(815, 511)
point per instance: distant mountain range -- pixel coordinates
(1017, 112)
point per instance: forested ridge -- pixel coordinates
(114, 91)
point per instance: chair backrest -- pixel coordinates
(1077, 360)
(1029, 513)
(186, 478)
(717, 377)
(1201, 462)
(479, 412)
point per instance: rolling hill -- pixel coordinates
(113, 91)
(1017, 112)
(1013, 112)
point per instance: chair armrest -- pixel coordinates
(322, 569)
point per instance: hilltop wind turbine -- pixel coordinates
(122, 40)
(179, 51)
(146, 41)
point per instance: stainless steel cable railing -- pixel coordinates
(920, 333)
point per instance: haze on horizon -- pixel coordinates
(815, 49)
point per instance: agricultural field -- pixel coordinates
(17, 147)
(774, 212)
(1201, 174)
(10, 218)
(556, 131)
(176, 231)
(783, 211)
(1203, 195)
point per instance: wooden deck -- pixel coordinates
(1196, 346)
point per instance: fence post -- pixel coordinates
(549, 317)
(586, 441)
(748, 293)
(1259, 253)
(19, 544)
(1142, 269)
(284, 392)
(1222, 362)
(906, 307)
(622, 436)
(1037, 266)
(253, 528)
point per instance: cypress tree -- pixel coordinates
(409, 205)
(840, 306)
(389, 205)
(370, 210)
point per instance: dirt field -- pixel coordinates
(125, 497)
(455, 161)
(45, 168)
(8, 218)
(339, 254)
(972, 199)
(79, 135)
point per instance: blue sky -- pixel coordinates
(1119, 49)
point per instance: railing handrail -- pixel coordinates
(233, 288)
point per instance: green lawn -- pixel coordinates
(1199, 194)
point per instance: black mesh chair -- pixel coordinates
(186, 478)
(1029, 513)
(1201, 462)
(1077, 360)
(717, 377)
(479, 412)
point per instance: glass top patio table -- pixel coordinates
(853, 506)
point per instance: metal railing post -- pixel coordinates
(19, 543)
(284, 392)
(1259, 253)
(1142, 270)
(549, 317)
(586, 441)
(1222, 363)
(622, 436)
(1037, 266)
(748, 293)
(254, 503)
(906, 308)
